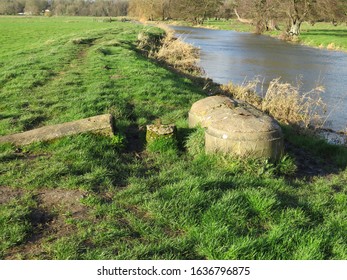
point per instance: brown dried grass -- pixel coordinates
(173, 51)
(247, 91)
(287, 104)
(283, 101)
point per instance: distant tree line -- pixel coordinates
(65, 7)
(192, 10)
(262, 14)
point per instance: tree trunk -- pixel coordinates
(295, 27)
(271, 25)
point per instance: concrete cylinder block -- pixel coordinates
(245, 133)
(236, 127)
(202, 110)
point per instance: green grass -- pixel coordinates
(14, 222)
(118, 198)
(322, 35)
(325, 35)
(231, 24)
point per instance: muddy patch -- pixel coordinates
(63, 201)
(308, 165)
(7, 194)
(49, 221)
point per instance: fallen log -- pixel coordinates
(102, 124)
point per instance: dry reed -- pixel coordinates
(172, 50)
(288, 104)
(284, 101)
(247, 91)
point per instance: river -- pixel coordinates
(229, 56)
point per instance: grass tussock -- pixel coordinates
(284, 101)
(247, 91)
(171, 50)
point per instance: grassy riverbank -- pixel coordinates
(321, 35)
(94, 197)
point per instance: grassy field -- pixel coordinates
(95, 197)
(322, 35)
(325, 35)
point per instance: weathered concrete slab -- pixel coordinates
(236, 127)
(102, 124)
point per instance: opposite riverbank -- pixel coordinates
(321, 35)
(97, 197)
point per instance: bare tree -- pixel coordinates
(260, 13)
(197, 10)
(90, 7)
(225, 10)
(264, 13)
(151, 9)
(35, 7)
(334, 11)
(11, 7)
(297, 12)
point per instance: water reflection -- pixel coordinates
(232, 56)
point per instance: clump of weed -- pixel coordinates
(181, 55)
(284, 36)
(284, 101)
(286, 166)
(332, 46)
(119, 141)
(149, 43)
(171, 50)
(247, 91)
(287, 104)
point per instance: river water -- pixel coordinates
(229, 56)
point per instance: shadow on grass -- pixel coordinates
(325, 32)
(314, 156)
(293, 202)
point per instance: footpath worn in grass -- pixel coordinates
(95, 197)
